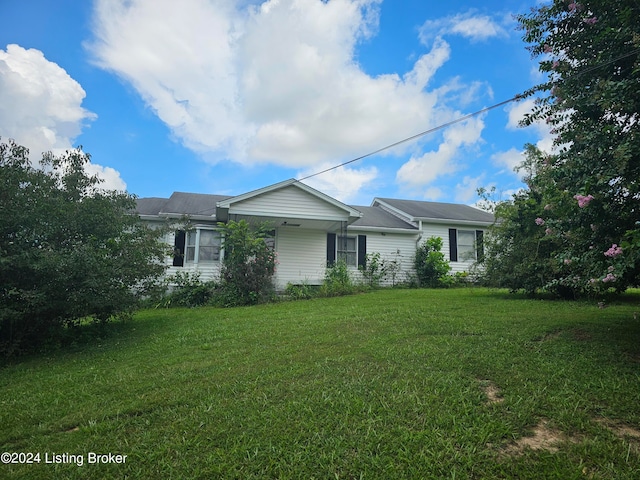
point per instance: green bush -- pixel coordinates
(430, 264)
(302, 291)
(246, 277)
(189, 291)
(337, 280)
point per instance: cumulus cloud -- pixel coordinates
(426, 168)
(277, 82)
(342, 183)
(41, 107)
(471, 25)
(516, 113)
(509, 159)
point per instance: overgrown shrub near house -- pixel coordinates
(337, 280)
(246, 276)
(430, 264)
(189, 291)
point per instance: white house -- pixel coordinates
(312, 230)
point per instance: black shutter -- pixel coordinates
(453, 245)
(331, 248)
(479, 245)
(178, 249)
(362, 251)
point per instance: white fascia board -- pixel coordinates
(397, 211)
(449, 221)
(405, 231)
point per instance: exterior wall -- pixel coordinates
(302, 256)
(288, 201)
(391, 247)
(442, 231)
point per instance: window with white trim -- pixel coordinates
(202, 246)
(347, 250)
(466, 245)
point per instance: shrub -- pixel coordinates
(337, 280)
(246, 276)
(189, 291)
(302, 291)
(430, 264)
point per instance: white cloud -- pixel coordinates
(423, 170)
(509, 159)
(342, 183)
(277, 82)
(467, 190)
(41, 107)
(472, 25)
(516, 112)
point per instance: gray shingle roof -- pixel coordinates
(192, 203)
(378, 217)
(441, 211)
(150, 205)
(180, 203)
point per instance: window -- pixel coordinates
(202, 246)
(347, 250)
(465, 245)
(353, 250)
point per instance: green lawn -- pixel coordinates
(463, 383)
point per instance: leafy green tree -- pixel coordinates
(574, 231)
(249, 264)
(68, 250)
(430, 264)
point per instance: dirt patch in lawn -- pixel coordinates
(544, 438)
(491, 391)
(623, 431)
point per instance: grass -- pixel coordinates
(410, 384)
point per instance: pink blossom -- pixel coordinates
(614, 251)
(548, 231)
(590, 21)
(547, 48)
(539, 221)
(609, 278)
(567, 261)
(555, 64)
(583, 200)
(573, 7)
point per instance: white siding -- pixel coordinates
(391, 247)
(289, 202)
(302, 256)
(442, 231)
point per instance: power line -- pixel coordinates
(418, 135)
(515, 98)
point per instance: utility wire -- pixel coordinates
(418, 135)
(515, 98)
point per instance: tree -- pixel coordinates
(430, 264)
(573, 230)
(248, 266)
(69, 250)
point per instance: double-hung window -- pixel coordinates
(465, 245)
(347, 250)
(351, 249)
(201, 245)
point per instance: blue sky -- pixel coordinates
(227, 96)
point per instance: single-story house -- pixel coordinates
(312, 230)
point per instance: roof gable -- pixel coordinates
(289, 198)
